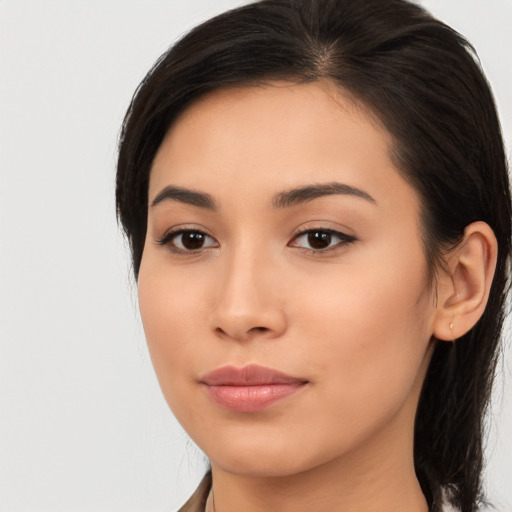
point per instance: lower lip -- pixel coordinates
(251, 398)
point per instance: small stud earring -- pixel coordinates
(451, 331)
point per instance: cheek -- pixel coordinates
(169, 310)
(169, 301)
(371, 323)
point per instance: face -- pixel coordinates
(283, 285)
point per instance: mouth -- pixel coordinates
(251, 388)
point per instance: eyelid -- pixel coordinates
(343, 239)
(167, 238)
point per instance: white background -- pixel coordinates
(83, 426)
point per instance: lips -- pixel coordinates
(251, 388)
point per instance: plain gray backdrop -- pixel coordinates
(83, 425)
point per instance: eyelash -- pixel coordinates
(343, 240)
(170, 236)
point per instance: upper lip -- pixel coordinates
(250, 375)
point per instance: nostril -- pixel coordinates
(239, 321)
(220, 331)
(242, 335)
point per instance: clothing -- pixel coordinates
(197, 501)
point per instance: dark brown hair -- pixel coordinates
(422, 79)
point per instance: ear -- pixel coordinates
(463, 288)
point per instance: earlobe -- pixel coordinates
(464, 288)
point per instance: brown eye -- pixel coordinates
(321, 240)
(187, 240)
(192, 240)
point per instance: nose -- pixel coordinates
(248, 303)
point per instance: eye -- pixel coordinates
(187, 240)
(321, 239)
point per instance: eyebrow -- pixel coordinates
(184, 195)
(285, 199)
(308, 193)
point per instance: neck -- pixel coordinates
(380, 477)
(394, 491)
(259, 496)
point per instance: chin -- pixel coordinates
(262, 466)
(258, 456)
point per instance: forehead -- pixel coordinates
(278, 135)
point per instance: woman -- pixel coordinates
(318, 208)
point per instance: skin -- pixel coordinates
(355, 320)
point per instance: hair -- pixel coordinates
(422, 81)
